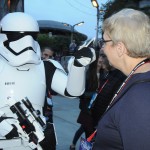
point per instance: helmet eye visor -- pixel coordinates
(14, 36)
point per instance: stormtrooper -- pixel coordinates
(25, 79)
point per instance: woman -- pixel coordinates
(126, 123)
(85, 119)
(109, 81)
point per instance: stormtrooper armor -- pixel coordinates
(23, 82)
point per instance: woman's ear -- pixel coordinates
(121, 50)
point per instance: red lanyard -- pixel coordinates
(126, 80)
(100, 89)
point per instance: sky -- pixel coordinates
(66, 11)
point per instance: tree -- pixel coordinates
(59, 43)
(7, 6)
(114, 6)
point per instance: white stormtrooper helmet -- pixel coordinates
(18, 45)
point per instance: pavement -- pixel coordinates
(65, 112)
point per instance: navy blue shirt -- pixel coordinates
(126, 125)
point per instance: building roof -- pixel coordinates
(58, 28)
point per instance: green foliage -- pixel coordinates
(57, 43)
(114, 6)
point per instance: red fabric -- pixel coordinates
(89, 139)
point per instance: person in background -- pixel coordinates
(109, 81)
(84, 117)
(125, 125)
(47, 53)
(102, 64)
(72, 47)
(58, 56)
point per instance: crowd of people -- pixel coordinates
(115, 103)
(102, 82)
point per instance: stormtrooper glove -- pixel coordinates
(84, 56)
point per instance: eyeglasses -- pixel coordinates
(105, 41)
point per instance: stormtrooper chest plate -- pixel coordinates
(26, 81)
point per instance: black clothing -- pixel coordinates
(78, 134)
(49, 72)
(49, 143)
(85, 118)
(115, 79)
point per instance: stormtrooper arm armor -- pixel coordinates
(73, 84)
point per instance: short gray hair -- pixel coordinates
(132, 27)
